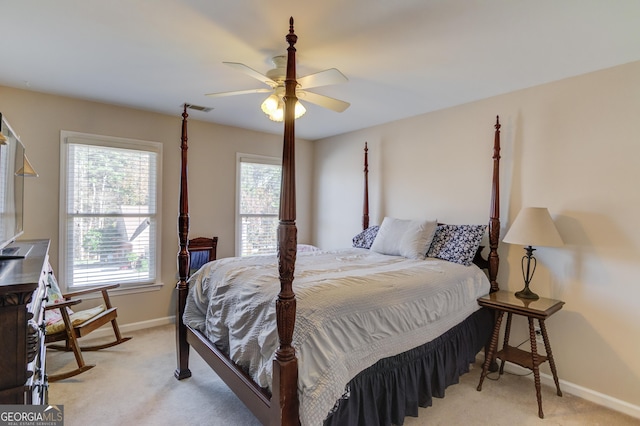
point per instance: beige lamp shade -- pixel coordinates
(534, 227)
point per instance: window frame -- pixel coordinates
(256, 159)
(69, 137)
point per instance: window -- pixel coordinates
(109, 218)
(258, 189)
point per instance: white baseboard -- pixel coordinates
(577, 390)
(106, 330)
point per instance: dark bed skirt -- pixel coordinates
(394, 387)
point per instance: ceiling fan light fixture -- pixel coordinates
(299, 110)
(273, 106)
(277, 115)
(275, 78)
(270, 105)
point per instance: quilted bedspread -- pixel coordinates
(354, 307)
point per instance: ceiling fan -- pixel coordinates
(273, 106)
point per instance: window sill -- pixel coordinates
(122, 290)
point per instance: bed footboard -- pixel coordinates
(255, 398)
(282, 406)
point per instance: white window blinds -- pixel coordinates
(111, 219)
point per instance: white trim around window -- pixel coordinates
(110, 212)
(265, 217)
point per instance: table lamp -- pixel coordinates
(533, 227)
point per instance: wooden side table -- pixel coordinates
(540, 309)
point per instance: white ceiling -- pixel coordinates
(402, 57)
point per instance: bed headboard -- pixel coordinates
(491, 262)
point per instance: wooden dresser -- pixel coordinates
(23, 291)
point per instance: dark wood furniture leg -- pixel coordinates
(492, 348)
(552, 364)
(535, 365)
(507, 333)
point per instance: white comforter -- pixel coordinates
(354, 307)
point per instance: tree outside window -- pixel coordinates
(110, 207)
(258, 205)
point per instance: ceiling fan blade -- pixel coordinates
(322, 78)
(252, 73)
(323, 101)
(238, 92)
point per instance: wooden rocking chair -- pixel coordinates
(201, 251)
(79, 324)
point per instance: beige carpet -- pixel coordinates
(133, 384)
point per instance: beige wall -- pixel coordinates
(572, 146)
(39, 118)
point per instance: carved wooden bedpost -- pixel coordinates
(182, 371)
(365, 207)
(284, 399)
(494, 221)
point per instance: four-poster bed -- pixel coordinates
(270, 389)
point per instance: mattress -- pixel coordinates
(354, 307)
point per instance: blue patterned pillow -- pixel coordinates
(456, 243)
(366, 237)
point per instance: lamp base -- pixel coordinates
(526, 293)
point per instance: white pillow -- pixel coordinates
(408, 238)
